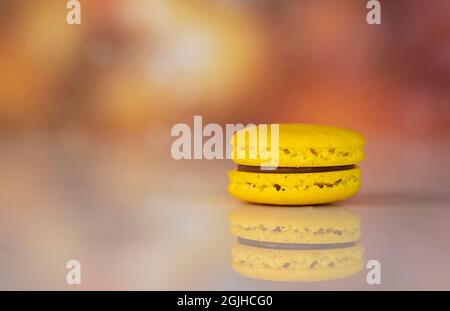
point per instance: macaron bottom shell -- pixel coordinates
(294, 189)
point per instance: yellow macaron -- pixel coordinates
(315, 164)
(296, 244)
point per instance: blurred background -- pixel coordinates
(137, 65)
(86, 112)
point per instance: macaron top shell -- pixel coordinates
(299, 145)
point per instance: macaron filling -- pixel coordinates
(293, 246)
(293, 170)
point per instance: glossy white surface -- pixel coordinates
(136, 219)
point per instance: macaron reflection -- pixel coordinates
(297, 244)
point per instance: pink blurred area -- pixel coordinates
(135, 65)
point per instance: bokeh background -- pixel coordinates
(136, 65)
(86, 112)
